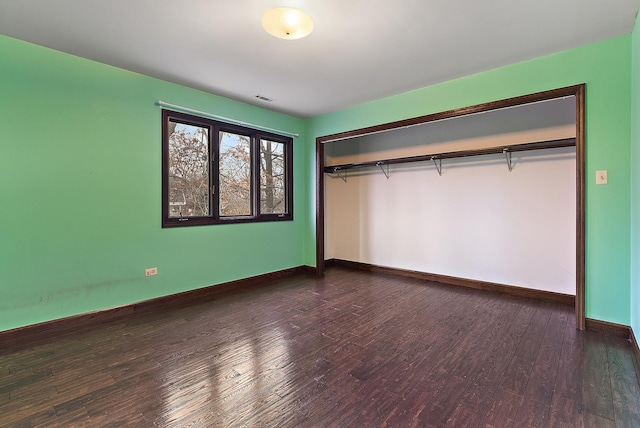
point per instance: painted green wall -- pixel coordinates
(606, 69)
(81, 195)
(80, 191)
(635, 180)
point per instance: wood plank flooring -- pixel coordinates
(352, 349)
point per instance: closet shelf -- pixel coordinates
(538, 145)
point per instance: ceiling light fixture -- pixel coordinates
(287, 23)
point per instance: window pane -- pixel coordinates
(188, 171)
(235, 174)
(272, 178)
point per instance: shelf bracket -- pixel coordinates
(507, 155)
(386, 173)
(438, 163)
(343, 176)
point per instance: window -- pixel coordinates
(216, 173)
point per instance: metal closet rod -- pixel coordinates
(538, 145)
(224, 119)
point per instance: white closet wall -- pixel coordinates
(478, 220)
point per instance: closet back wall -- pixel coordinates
(478, 220)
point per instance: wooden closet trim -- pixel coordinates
(578, 91)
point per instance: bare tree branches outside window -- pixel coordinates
(272, 177)
(235, 174)
(215, 173)
(188, 171)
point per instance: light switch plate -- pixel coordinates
(601, 176)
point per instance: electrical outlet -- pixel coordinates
(601, 177)
(151, 271)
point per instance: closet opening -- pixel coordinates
(488, 196)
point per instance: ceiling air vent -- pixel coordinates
(262, 98)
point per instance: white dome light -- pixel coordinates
(287, 23)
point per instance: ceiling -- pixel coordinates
(359, 51)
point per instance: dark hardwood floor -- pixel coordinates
(352, 349)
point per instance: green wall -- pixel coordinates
(80, 171)
(635, 180)
(80, 190)
(606, 69)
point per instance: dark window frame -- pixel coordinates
(214, 128)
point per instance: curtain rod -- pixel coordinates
(224, 119)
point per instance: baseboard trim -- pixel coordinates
(17, 338)
(610, 328)
(462, 282)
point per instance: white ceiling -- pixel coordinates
(360, 50)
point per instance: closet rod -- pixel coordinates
(538, 145)
(176, 107)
